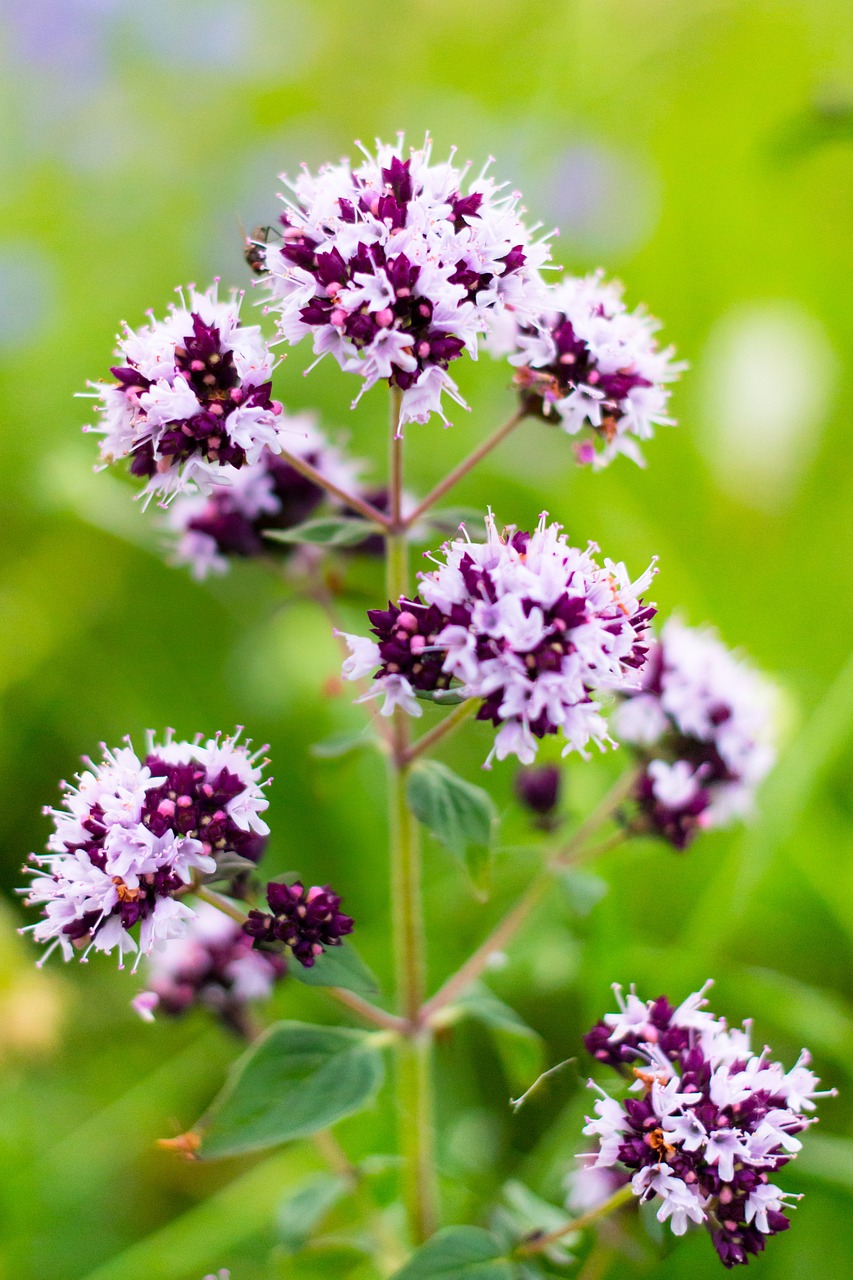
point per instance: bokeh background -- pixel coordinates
(703, 152)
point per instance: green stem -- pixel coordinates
(425, 743)
(221, 903)
(572, 852)
(414, 1084)
(538, 1243)
(351, 500)
(467, 464)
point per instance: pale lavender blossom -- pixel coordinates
(134, 833)
(711, 1122)
(591, 365)
(396, 266)
(703, 724)
(526, 624)
(230, 520)
(191, 401)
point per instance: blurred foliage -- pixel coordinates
(701, 151)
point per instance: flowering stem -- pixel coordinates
(351, 500)
(467, 464)
(414, 1085)
(424, 744)
(538, 1243)
(507, 928)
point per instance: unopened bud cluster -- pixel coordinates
(305, 920)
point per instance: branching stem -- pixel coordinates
(368, 1012)
(351, 500)
(507, 928)
(442, 730)
(461, 470)
(539, 1243)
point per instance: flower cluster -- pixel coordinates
(396, 270)
(134, 832)
(231, 519)
(703, 725)
(191, 401)
(589, 362)
(305, 920)
(213, 966)
(711, 1122)
(525, 623)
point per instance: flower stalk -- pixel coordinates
(414, 1085)
(352, 500)
(467, 464)
(542, 1241)
(508, 927)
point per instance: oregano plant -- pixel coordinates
(396, 267)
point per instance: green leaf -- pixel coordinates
(328, 531)
(520, 1048)
(338, 967)
(342, 744)
(301, 1212)
(458, 1253)
(295, 1080)
(463, 817)
(443, 697)
(229, 865)
(448, 519)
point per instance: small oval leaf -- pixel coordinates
(463, 817)
(338, 967)
(295, 1080)
(327, 531)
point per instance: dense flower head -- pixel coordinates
(711, 1121)
(305, 920)
(702, 723)
(396, 265)
(230, 519)
(191, 399)
(213, 966)
(592, 365)
(134, 832)
(525, 623)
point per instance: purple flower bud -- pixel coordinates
(538, 789)
(305, 920)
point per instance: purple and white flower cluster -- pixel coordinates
(191, 401)
(134, 832)
(213, 966)
(525, 623)
(305, 920)
(589, 362)
(711, 1121)
(230, 519)
(703, 724)
(396, 267)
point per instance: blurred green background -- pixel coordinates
(703, 152)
